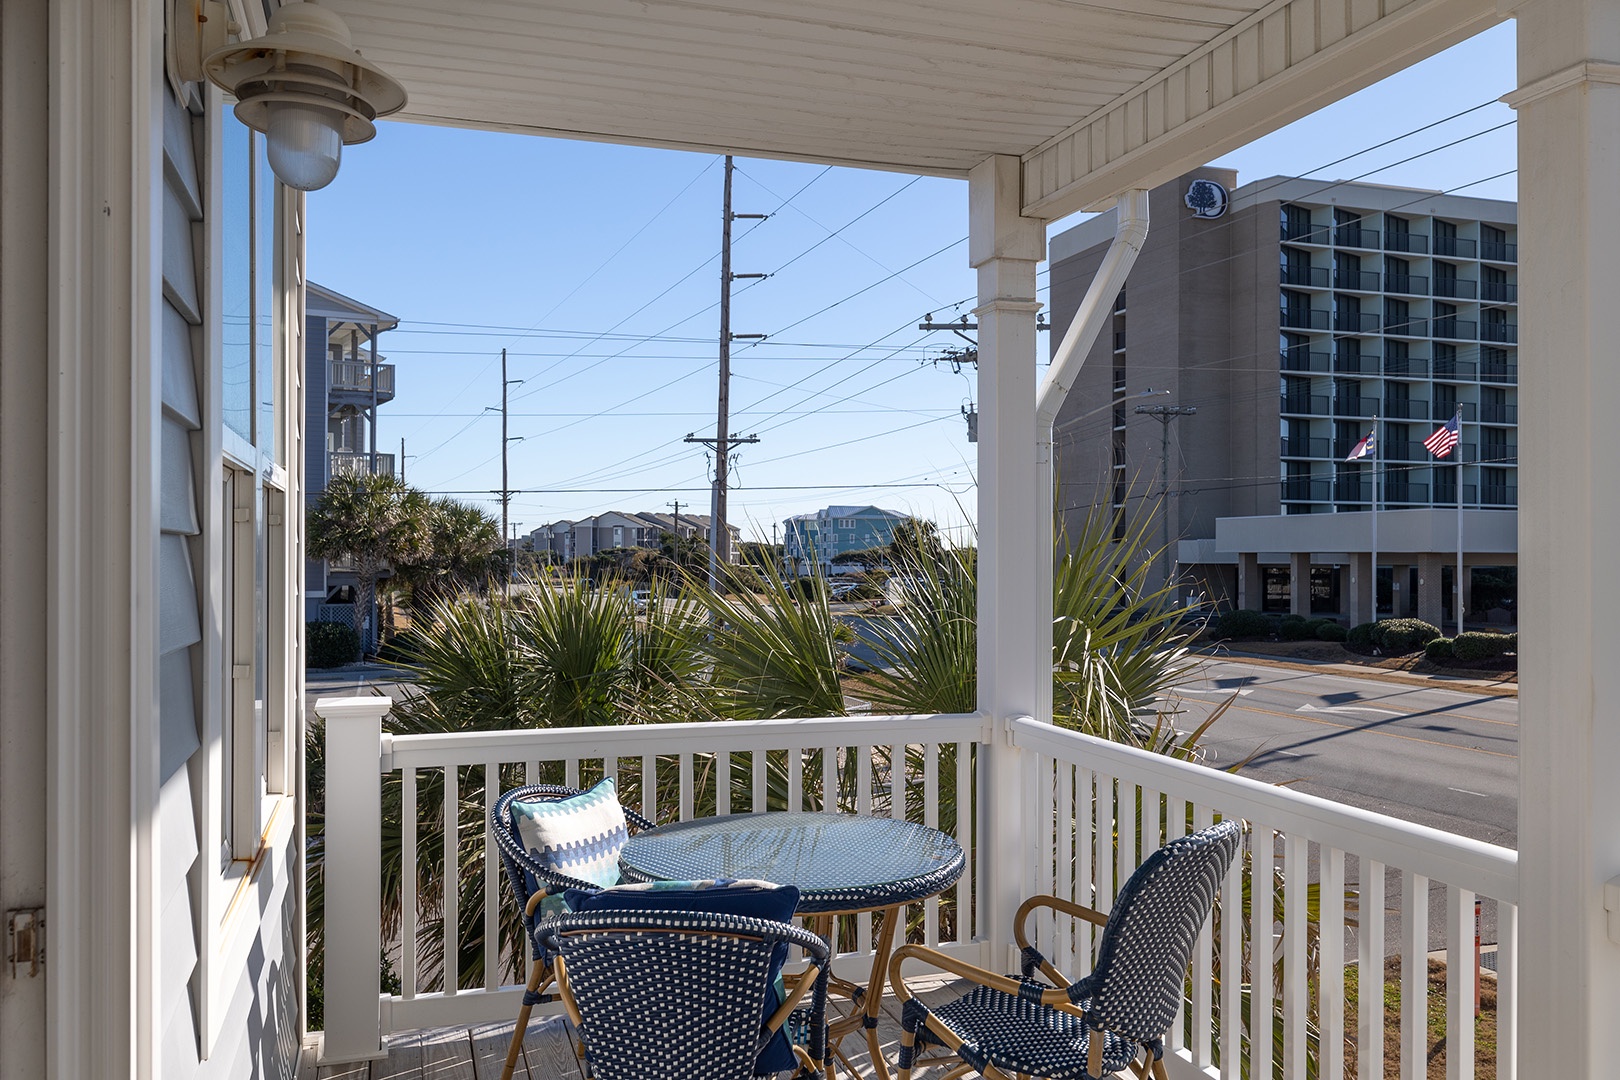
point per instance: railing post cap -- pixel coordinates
(335, 708)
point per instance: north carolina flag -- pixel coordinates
(1365, 448)
(1445, 437)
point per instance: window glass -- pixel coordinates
(236, 315)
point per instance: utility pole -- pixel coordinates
(1164, 414)
(506, 491)
(402, 461)
(719, 533)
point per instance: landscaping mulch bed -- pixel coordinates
(1435, 1039)
(1499, 669)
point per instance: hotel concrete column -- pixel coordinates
(1015, 644)
(1360, 588)
(1431, 597)
(1569, 527)
(1299, 583)
(1250, 594)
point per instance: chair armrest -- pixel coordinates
(1054, 999)
(1056, 903)
(534, 902)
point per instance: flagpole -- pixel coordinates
(1459, 524)
(1377, 452)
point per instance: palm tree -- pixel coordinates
(373, 521)
(463, 552)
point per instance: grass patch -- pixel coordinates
(1435, 1037)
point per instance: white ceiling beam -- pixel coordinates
(1282, 63)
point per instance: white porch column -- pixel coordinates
(1015, 665)
(1569, 528)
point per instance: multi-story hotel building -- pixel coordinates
(1293, 315)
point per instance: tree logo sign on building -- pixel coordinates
(1206, 199)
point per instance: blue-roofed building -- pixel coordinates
(812, 540)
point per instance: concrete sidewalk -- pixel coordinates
(1495, 687)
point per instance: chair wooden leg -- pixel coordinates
(908, 1044)
(537, 978)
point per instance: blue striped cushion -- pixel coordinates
(580, 836)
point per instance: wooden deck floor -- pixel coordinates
(478, 1053)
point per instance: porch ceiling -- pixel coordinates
(1076, 89)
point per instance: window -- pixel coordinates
(254, 575)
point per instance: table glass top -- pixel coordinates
(836, 860)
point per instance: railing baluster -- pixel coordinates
(899, 763)
(1262, 977)
(722, 783)
(407, 903)
(685, 807)
(1103, 844)
(492, 880)
(1176, 825)
(1507, 991)
(1152, 823)
(1062, 948)
(1296, 988)
(795, 782)
(964, 837)
(649, 787)
(829, 779)
(930, 755)
(1231, 971)
(760, 784)
(1414, 973)
(571, 772)
(1460, 985)
(1370, 972)
(1203, 1004)
(863, 778)
(452, 880)
(1330, 996)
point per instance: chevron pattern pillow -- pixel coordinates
(580, 836)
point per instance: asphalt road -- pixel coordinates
(1437, 756)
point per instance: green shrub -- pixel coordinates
(1478, 646)
(1513, 643)
(1291, 618)
(1240, 625)
(1361, 634)
(400, 649)
(1295, 628)
(330, 644)
(1439, 650)
(1403, 635)
(1328, 630)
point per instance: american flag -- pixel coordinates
(1445, 437)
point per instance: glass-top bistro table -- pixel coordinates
(842, 864)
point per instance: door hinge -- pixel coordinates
(25, 941)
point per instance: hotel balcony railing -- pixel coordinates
(1352, 491)
(1405, 365)
(1409, 284)
(1305, 234)
(1504, 332)
(1498, 495)
(1119, 340)
(1490, 413)
(1306, 319)
(1355, 322)
(1500, 292)
(1498, 251)
(1355, 406)
(1037, 809)
(1455, 246)
(1396, 409)
(1445, 410)
(1353, 236)
(1305, 404)
(1416, 243)
(1461, 288)
(1356, 280)
(1454, 370)
(1498, 453)
(1361, 364)
(346, 463)
(1499, 373)
(355, 376)
(1307, 489)
(1310, 277)
(1452, 328)
(1396, 493)
(1301, 358)
(1405, 450)
(1313, 448)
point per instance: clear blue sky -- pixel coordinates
(597, 266)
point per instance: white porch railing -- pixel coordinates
(351, 463)
(1090, 810)
(356, 375)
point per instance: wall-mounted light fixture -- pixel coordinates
(303, 85)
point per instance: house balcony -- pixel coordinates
(1322, 887)
(349, 463)
(350, 382)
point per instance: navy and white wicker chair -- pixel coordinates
(1099, 1025)
(581, 852)
(680, 994)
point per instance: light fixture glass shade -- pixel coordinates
(305, 144)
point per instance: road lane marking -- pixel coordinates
(1351, 708)
(1384, 734)
(1465, 791)
(1216, 690)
